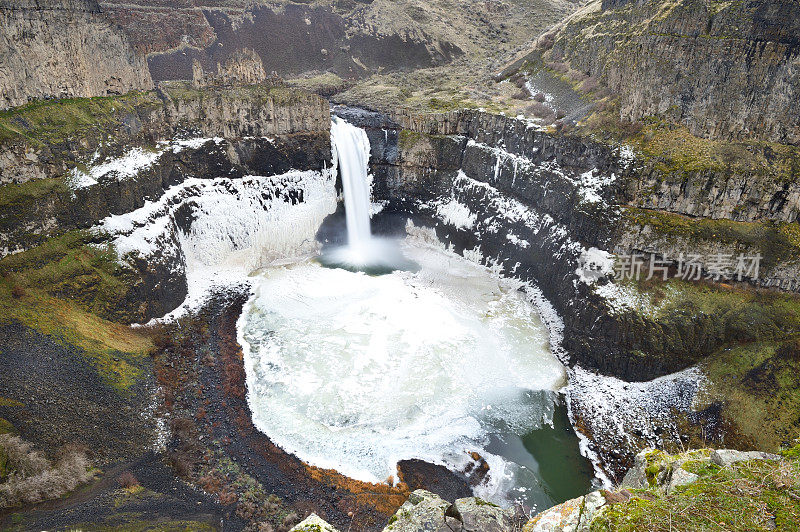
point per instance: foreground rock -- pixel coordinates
(427, 511)
(655, 474)
(313, 523)
(726, 457)
(575, 514)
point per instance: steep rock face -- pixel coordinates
(56, 179)
(62, 49)
(244, 67)
(728, 70)
(289, 37)
(45, 147)
(537, 203)
(253, 111)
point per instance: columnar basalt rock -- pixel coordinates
(727, 70)
(244, 67)
(505, 161)
(64, 49)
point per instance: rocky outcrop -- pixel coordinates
(427, 511)
(244, 67)
(289, 37)
(64, 49)
(654, 475)
(727, 457)
(570, 516)
(251, 111)
(727, 70)
(313, 523)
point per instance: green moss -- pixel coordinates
(326, 84)
(55, 121)
(735, 313)
(746, 496)
(5, 401)
(407, 139)
(700, 467)
(19, 201)
(135, 523)
(481, 502)
(60, 288)
(6, 428)
(72, 266)
(792, 452)
(776, 241)
(677, 154)
(759, 385)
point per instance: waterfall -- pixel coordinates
(352, 152)
(363, 252)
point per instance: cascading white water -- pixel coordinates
(352, 152)
(355, 372)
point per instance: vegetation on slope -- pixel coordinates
(752, 495)
(676, 151)
(54, 121)
(776, 241)
(757, 386)
(26, 476)
(745, 341)
(61, 288)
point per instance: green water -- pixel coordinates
(552, 469)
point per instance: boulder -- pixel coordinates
(726, 457)
(422, 475)
(571, 516)
(477, 515)
(313, 523)
(680, 477)
(423, 511)
(427, 512)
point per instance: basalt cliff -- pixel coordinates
(64, 49)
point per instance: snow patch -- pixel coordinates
(131, 163)
(594, 264)
(456, 214)
(591, 183)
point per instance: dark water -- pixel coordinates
(552, 469)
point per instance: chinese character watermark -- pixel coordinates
(688, 266)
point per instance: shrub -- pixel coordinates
(31, 478)
(576, 76)
(521, 95)
(127, 480)
(590, 84)
(547, 40)
(519, 80)
(182, 464)
(540, 110)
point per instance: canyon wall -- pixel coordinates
(727, 70)
(290, 38)
(536, 204)
(64, 49)
(70, 164)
